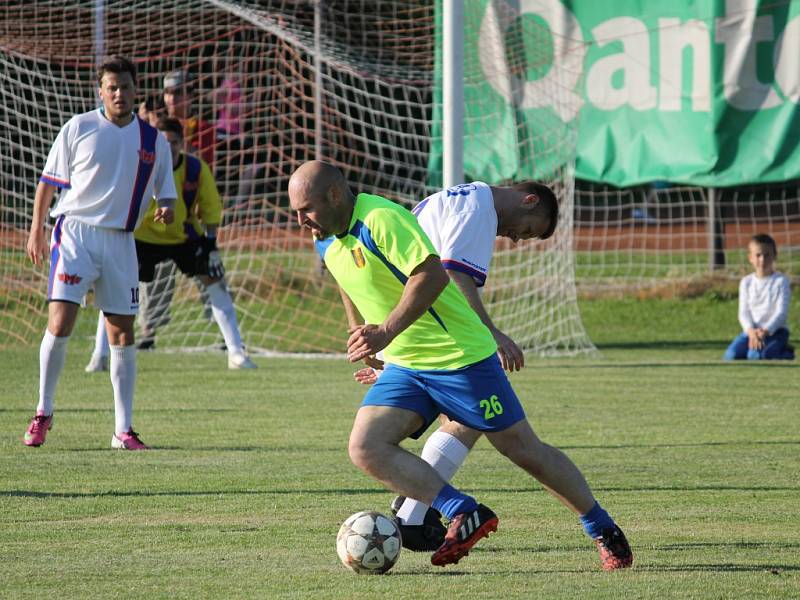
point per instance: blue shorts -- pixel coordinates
(478, 396)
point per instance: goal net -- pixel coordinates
(355, 83)
(661, 237)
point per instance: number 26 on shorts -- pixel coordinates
(491, 406)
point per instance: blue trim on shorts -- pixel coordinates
(478, 396)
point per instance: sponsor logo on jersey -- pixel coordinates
(358, 257)
(147, 157)
(69, 279)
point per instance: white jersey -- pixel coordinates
(108, 174)
(764, 302)
(462, 224)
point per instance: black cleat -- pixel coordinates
(420, 538)
(146, 344)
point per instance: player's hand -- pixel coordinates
(216, 270)
(374, 362)
(164, 215)
(37, 246)
(511, 357)
(366, 376)
(366, 340)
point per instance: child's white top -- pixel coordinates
(462, 224)
(764, 302)
(108, 174)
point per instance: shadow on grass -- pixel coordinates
(742, 545)
(760, 364)
(695, 568)
(660, 345)
(110, 408)
(368, 491)
(677, 445)
(719, 568)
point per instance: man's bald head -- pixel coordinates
(319, 194)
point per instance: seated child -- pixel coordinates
(763, 307)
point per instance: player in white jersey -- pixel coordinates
(108, 163)
(463, 222)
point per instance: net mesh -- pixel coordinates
(353, 84)
(634, 238)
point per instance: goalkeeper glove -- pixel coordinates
(216, 270)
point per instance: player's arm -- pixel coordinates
(511, 357)
(354, 318)
(165, 193)
(37, 240)
(426, 282)
(354, 321)
(209, 209)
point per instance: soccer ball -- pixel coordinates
(368, 542)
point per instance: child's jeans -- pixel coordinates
(776, 346)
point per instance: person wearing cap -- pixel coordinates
(179, 95)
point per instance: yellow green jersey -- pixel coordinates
(372, 262)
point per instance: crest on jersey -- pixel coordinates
(69, 279)
(358, 257)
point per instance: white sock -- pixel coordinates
(445, 454)
(122, 367)
(52, 354)
(101, 337)
(225, 316)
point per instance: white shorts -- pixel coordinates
(84, 256)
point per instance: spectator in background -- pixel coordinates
(763, 307)
(236, 167)
(227, 99)
(179, 95)
(151, 110)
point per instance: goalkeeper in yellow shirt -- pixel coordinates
(190, 241)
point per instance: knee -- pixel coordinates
(59, 329)
(363, 454)
(527, 452)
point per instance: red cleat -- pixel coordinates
(464, 531)
(615, 552)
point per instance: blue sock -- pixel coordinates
(450, 502)
(596, 520)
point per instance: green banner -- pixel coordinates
(701, 92)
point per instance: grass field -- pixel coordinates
(250, 479)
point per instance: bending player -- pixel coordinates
(462, 223)
(191, 242)
(441, 359)
(108, 164)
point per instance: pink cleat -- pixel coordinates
(38, 429)
(128, 441)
